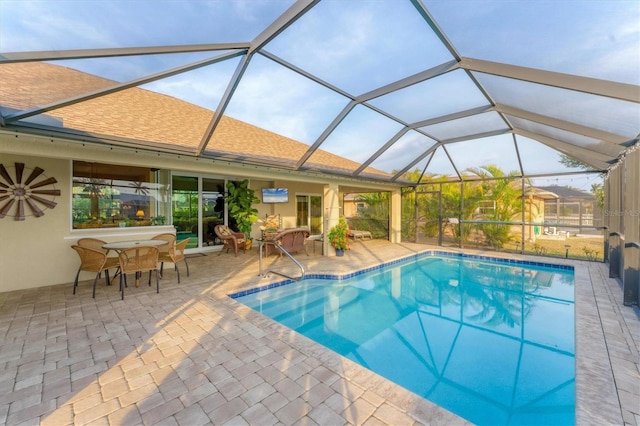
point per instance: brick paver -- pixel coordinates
(192, 356)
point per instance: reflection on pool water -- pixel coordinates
(490, 341)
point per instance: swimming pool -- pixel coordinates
(492, 341)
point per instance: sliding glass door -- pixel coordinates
(212, 207)
(197, 206)
(309, 213)
(184, 208)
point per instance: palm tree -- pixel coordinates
(597, 189)
(94, 187)
(139, 189)
(506, 193)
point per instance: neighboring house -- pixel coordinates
(352, 206)
(547, 209)
(536, 199)
(572, 207)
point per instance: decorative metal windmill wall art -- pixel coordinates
(37, 191)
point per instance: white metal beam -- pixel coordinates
(299, 8)
(56, 55)
(578, 129)
(336, 121)
(594, 86)
(409, 81)
(118, 87)
(453, 116)
(596, 160)
(224, 101)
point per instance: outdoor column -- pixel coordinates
(631, 226)
(331, 214)
(395, 217)
(615, 235)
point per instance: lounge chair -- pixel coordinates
(230, 239)
(355, 234)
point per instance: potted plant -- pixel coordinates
(158, 220)
(240, 200)
(338, 237)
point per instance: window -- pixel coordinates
(108, 195)
(486, 208)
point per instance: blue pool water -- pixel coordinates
(490, 341)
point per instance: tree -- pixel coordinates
(375, 216)
(573, 163)
(597, 189)
(139, 189)
(506, 193)
(94, 188)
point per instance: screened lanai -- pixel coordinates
(417, 94)
(394, 86)
(432, 104)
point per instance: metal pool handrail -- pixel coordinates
(261, 243)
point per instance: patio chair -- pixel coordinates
(92, 260)
(164, 249)
(292, 240)
(311, 240)
(137, 260)
(230, 239)
(93, 243)
(174, 255)
(96, 244)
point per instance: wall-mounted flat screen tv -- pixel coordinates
(275, 195)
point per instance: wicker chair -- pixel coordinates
(230, 239)
(292, 240)
(93, 243)
(96, 244)
(92, 260)
(174, 255)
(137, 260)
(165, 248)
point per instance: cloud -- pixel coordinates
(52, 26)
(274, 98)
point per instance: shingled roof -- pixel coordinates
(566, 192)
(151, 118)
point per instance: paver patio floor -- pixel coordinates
(191, 355)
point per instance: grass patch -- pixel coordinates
(580, 248)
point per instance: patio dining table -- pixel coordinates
(123, 245)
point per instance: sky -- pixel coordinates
(359, 46)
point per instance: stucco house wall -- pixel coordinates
(37, 252)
